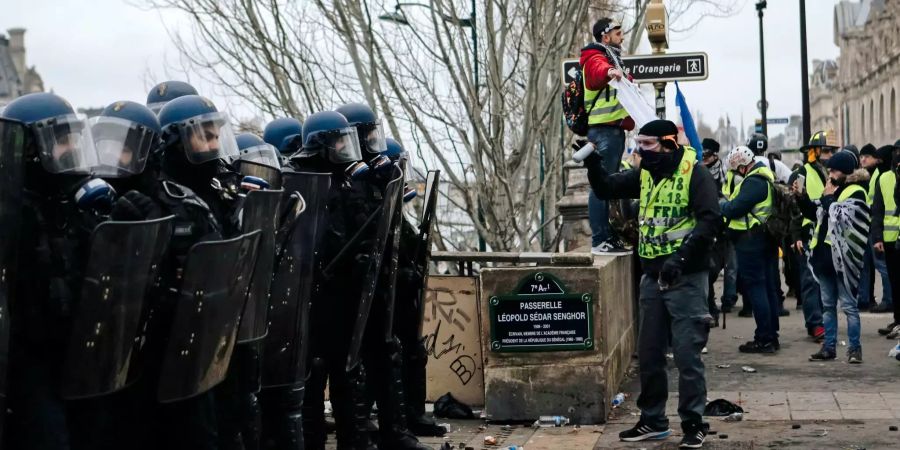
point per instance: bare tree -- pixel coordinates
(499, 138)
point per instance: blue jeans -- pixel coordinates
(610, 143)
(866, 283)
(811, 295)
(755, 258)
(833, 290)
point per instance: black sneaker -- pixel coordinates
(776, 345)
(757, 347)
(881, 308)
(783, 312)
(823, 355)
(609, 247)
(745, 312)
(693, 438)
(642, 432)
(726, 308)
(887, 330)
(854, 356)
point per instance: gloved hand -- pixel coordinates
(134, 206)
(671, 272)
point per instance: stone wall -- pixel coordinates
(576, 384)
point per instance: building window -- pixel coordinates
(862, 123)
(871, 136)
(882, 131)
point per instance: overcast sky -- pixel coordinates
(100, 51)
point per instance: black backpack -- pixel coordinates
(574, 112)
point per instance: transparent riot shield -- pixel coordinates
(121, 265)
(12, 145)
(391, 201)
(212, 294)
(260, 213)
(300, 231)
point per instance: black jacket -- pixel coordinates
(703, 204)
(798, 231)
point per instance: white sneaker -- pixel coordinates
(895, 333)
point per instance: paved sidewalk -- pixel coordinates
(835, 404)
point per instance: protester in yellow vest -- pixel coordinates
(601, 62)
(809, 182)
(746, 211)
(885, 231)
(679, 219)
(841, 233)
(873, 261)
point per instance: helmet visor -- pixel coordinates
(264, 154)
(64, 144)
(208, 137)
(375, 141)
(342, 146)
(122, 146)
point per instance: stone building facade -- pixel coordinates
(16, 78)
(868, 76)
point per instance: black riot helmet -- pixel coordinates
(758, 143)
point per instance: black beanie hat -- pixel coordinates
(843, 161)
(885, 153)
(603, 26)
(711, 145)
(659, 128)
(867, 149)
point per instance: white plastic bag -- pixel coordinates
(633, 100)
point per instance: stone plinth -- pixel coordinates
(576, 384)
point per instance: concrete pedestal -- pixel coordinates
(576, 384)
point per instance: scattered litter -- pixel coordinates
(704, 351)
(449, 407)
(618, 400)
(551, 421)
(736, 417)
(748, 369)
(737, 337)
(482, 427)
(796, 426)
(506, 428)
(777, 404)
(490, 440)
(892, 428)
(713, 432)
(446, 446)
(721, 408)
(844, 343)
(723, 436)
(723, 366)
(822, 432)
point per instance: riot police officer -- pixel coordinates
(331, 146)
(198, 187)
(167, 91)
(382, 353)
(409, 304)
(61, 206)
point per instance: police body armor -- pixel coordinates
(260, 212)
(254, 169)
(211, 295)
(12, 144)
(123, 261)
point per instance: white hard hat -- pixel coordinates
(740, 156)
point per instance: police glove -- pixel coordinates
(134, 206)
(671, 272)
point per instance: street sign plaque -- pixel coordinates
(540, 316)
(663, 67)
